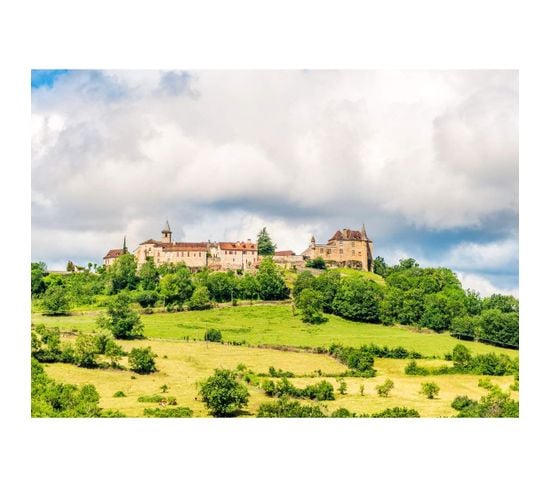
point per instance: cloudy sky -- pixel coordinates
(428, 160)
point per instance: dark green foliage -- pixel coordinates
(157, 399)
(142, 360)
(284, 408)
(504, 303)
(279, 373)
(380, 267)
(147, 298)
(397, 412)
(328, 284)
(248, 287)
(266, 247)
(148, 275)
(412, 368)
(358, 299)
(46, 344)
(84, 287)
(123, 273)
(430, 390)
(176, 286)
(342, 413)
(223, 394)
(310, 303)
(360, 359)
(85, 352)
(473, 302)
(222, 286)
(38, 272)
(465, 327)
(213, 335)
(319, 391)
(200, 300)
(500, 328)
(461, 357)
(119, 394)
(121, 320)
(178, 412)
(316, 263)
(304, 280)
(495, 404)
(56, 301)
(52, 399)
(271, 282)
(342, 386)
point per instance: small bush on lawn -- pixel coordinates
(430, 390)
(385, 388)
(119, 394)
(179, 412)
(213, 335)
(142, 360)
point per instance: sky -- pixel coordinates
(427, 160)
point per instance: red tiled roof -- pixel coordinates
(184, 246)
(113, 253)
(237, 246)
(347, 235)
(285, 253)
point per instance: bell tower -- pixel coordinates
(166, 233)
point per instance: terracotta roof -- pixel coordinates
(237, 246)
(347, 235)
(184, 246)
(113, 253)
(285, 253)
(150, 241)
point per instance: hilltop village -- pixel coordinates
(346, 248)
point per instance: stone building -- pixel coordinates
(346, 248)
(288, 259)
(196, 255)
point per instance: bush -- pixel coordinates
(430, 390)
(119, 394)
(412, 368)
(178, 412)
(223, 394)
(385, 388)
(342, 413)
(358, 299)
(283, 408)
(397, 412)
(142, 360)
(317, 263)
(213, 335)
(147, 298)
(271, 283)
(150, 399)
(310, 303)
(495, 404)
(85, 352)
(279, 373)
(342, 386)
(320, 391)
(462, 402)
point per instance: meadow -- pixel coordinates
(182, 364)
(275, 324)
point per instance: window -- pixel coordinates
(352, 243)
(353, 252)
(341, 251)
(359, 253)
(328, 251)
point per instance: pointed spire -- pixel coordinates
(124, 248)
(166, 228)
(363, 232)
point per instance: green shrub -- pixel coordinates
(121, 320)
(119, 394)
(179, 412)
(279, 373)
(430, 390)
(147, 298)
(412, 368)
(56, 301)
(142, 360)
(397, 412)
(342, 413)
(317, 263)
(213, 335)
(200, 300)
(284, 408)
(150, 399)
(385, 388)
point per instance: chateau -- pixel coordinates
(346, 248)
(196, 255)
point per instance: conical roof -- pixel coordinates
(166, 228)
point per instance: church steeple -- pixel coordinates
(166, 233)
(124, 247)
(363, 233)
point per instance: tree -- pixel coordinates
(123, 273)
(310, 303)
(385, 388)
(85, 351)
(266, 247)
(142, 360)
(461, 357)
(499, 327)
(222, 286)
(223, 394)
(176, 287)
(56, 301)
(465, 327)
(342, 386)
(504, 303)
(380, 267)
(148, 275)
(147, 298)
(358, 299)
(121, 320)
(248, 287)
(430, 390)
(271, 282)
(317, 263)
(38, 271)
(200, 300)
(328, 284)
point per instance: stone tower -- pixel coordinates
(166, 233)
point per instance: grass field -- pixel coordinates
(275, 325)
(182, 364)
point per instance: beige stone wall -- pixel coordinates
(342, 251)
(234, 259)
(193, 259)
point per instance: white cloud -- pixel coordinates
(484, 286)
(435, 149)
